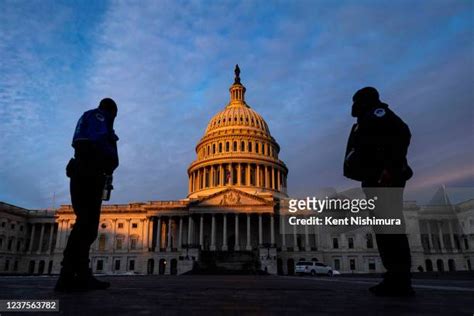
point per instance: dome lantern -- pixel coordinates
(237, 90)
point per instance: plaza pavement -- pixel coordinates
(257, 295)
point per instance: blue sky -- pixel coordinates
(169, 64)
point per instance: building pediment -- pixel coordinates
(231, 198)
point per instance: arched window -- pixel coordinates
(429, 265)
(263, 149)
(250, 147)
(451, 265)
(256, 148)
(440, 265)
(208, 149)
(213, 148)
(235, 146)
(133, 242)
(220, 147)
(242, 146)
(227, 146)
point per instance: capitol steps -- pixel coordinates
(227, 262)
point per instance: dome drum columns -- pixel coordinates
(238, 174)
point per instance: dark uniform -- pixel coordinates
(376, 156)
(95, 145)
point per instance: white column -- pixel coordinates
(239, 174)
(114, 223)
(158, 235)
(257, 176)
(295, 239)
(224, 233)
(247, 174)
(278, 186)
(267, 178)
(189, 229)
(316, 232)
(283, 232)
(260, 233)
(272, 230)
(33, 228)
(236, 246)
(306, 238)
(201, 231)
(50, 240)
(129, 223)
(430, 242)
(145, 228)
(59, 235)
(440, 233)
(169, 245)
(248, 247)
(180, 233)
(40, 246)
(273, 178)
(67, 229)
(213, 232)
(150, 233)
(451, 236)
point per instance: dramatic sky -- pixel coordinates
(169, 64)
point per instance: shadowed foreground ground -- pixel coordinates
(262, 295)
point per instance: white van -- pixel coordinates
(313, 268)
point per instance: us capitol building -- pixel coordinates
(231, 219)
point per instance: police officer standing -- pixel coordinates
(376, 156)
(95, 159)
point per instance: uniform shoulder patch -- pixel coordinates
(100, 117)
(379, 112)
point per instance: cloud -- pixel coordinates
(169, 66)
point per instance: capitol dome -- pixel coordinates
(237, 150)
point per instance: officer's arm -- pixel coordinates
(82, 143)
(396, 147)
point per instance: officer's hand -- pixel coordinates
(385, 178)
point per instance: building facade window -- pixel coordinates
(350, 243)
(370, 241)
(131, 265)
(371, 264)
(119, 245)
(100, 265)
(335, 243)
(133, 243)
(352, 264)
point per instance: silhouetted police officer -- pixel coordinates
(376, 156)
(95, 158)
